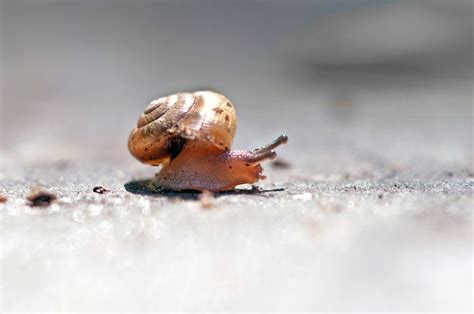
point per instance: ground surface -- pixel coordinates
(347, 229)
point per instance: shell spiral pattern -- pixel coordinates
(168, 122)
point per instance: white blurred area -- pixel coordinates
(362, 88)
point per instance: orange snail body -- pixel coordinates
(190, 135)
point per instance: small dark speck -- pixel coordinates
(449, 174)
(255, 188)
(248, 165)
(280, 164)
(146, 149)
(380, 196)
(230, 167)
(226, 117)
(99, 190)
(40, 197)
(3, 198)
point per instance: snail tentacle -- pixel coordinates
(282, 139)
(260, 156)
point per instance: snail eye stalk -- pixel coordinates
(282, 139)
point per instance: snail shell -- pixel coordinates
(168, 122)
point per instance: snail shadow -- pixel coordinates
(147, 187)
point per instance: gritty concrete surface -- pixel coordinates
(347, 229)
(373, 243)
(373, 213)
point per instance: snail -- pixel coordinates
(190, 135)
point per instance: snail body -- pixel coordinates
(190, 135)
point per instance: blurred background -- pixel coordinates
(376, 209)
(392, 77)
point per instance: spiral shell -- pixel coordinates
(168, 122)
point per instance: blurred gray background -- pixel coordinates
(375, 95)
(78, 73)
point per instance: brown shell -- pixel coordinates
(169, 121)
